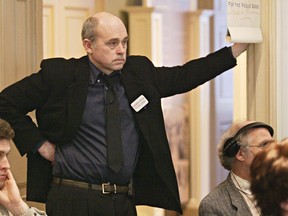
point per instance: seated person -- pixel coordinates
(269, 179)
(10, 199)
(236, 150)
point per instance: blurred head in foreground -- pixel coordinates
(269, 179)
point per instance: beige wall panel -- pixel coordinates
(62, 24)
(8, 66)
(140, 29)
(74, 18)
(48, 31)
(199, 25)
(261, 76)
(205, 4)
(114, 7)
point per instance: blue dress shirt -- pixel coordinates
(85, 158)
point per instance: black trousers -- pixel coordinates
(65, 200)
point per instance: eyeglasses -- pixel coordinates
(263, 145)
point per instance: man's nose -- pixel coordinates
(5, 163)
(121, 48)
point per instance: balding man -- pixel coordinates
(69, 151)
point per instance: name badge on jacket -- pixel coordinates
(139, 103)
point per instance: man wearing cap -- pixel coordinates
(236, 150)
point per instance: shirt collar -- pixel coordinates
(95, 72)
(242, 183)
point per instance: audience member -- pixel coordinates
(236, 150)
(10, 199)
(269, 179)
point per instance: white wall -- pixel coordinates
(282, 68)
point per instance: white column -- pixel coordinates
(199, 28)
(282, 67)
(145, 33)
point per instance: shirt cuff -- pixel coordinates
(230, 51)
(38, 146)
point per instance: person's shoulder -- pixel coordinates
(135, 59)
(217, 193)
(140, 57)
(62, 61)
(61, 67)
(138, 63)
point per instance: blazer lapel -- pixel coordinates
(77, 94)
(134, 88)
(237, 199)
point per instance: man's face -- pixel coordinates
(258, 139)
(108, 52)
(4, 163)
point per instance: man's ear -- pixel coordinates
(240, 154)
(87, 46)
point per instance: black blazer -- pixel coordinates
(58, 93)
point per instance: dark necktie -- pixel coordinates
(113, 126)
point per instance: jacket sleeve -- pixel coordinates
(209, 209)
(16, 105)
(180, 79)
(44, 93)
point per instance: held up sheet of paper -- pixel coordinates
(243, 21)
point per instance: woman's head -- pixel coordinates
(269, 178)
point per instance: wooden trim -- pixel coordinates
(1, 45)
(198, 25)
(282, 67)
(261, 70)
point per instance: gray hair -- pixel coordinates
(243, 140)
(89, 29)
